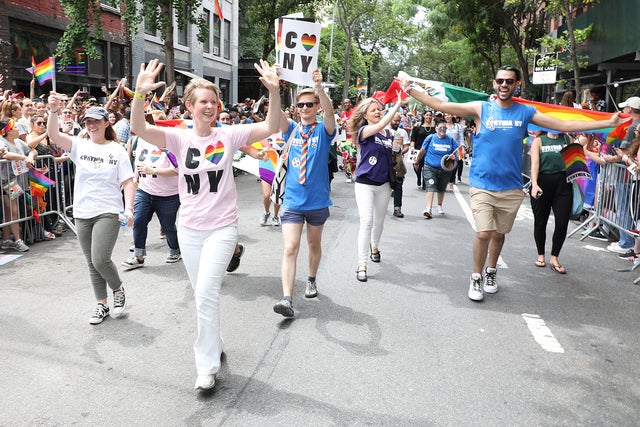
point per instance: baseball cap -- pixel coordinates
(633, 102)
(17, 95)
(97, 113)
(625, 144)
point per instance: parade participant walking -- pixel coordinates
(307, 197)
(102, 169)
(401, 143)
(418, 135)
(157, 193)
(372, 176)
(550, 191)
(435, 178)
(207, 228)
(495, 174)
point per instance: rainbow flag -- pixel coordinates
(219, 9)
(612, 135)
(460, 152)
(32, 69)
(127, 93)
(156, 104)
(45, 70)
(575, 162)
(40, 178)
(361, 87)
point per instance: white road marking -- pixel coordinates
(467, 213)
(542, 334)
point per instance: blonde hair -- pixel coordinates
(357, 119)
(308, 91)
(199, 83)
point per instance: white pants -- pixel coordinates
(206, 255)
(372, 201)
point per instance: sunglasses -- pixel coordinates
(507, 81)
(40, 123)
(306, 104)
(66, 112)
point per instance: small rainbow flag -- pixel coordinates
(575, 162)
(219, 9)
(45, 70)
(40, 178)
(460, 152)
(361, 87)
(127, 93)
(156, 104)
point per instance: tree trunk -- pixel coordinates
(573, 49)
(169, 68)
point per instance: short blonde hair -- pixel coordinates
(308, 91)
(199, 83)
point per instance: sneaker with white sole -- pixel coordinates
(490, 284)
(7, 244)
(311, 290)
(132, 263)
(475, 287)
(119, 302)
(100, 313)
(276, 221)
(264, 218)
(284, 307)
(426, 213)
(20, 246)
(205, 382)
(49, 235)
(171, 258)
(440, 210)
(614, 247)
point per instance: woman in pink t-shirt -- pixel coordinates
(207, 228)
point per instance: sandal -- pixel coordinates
(361, 274)
(375, 257)
(558, 268)
(540, 263)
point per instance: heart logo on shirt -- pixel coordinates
(155, 155)
(214, 153)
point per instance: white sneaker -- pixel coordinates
(614, 247)
(490, 284)
(276, 221)
(132, 263)
(119, 302)
(475, 287)
(205, 382)
(264, 218)
(20, 246)
(440, 210)
(7, 244)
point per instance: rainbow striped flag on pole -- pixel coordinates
(46, 70)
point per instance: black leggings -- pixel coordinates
(557, 195)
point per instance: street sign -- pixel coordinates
(542, 72)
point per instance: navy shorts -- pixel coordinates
(312, 217)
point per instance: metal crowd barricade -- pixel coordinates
(55, 205)
(617, 203)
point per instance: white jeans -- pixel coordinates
(372, 201)
(206, 255)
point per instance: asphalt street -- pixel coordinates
(406, 348)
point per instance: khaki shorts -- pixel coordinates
(495, 210)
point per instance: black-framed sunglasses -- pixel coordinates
(305, 104)
(40, 123)
(507, 81)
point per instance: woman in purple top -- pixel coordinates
(372, 176)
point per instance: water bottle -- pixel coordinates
(124, 228)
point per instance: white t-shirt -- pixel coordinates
(208, 198)
(100, 171)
